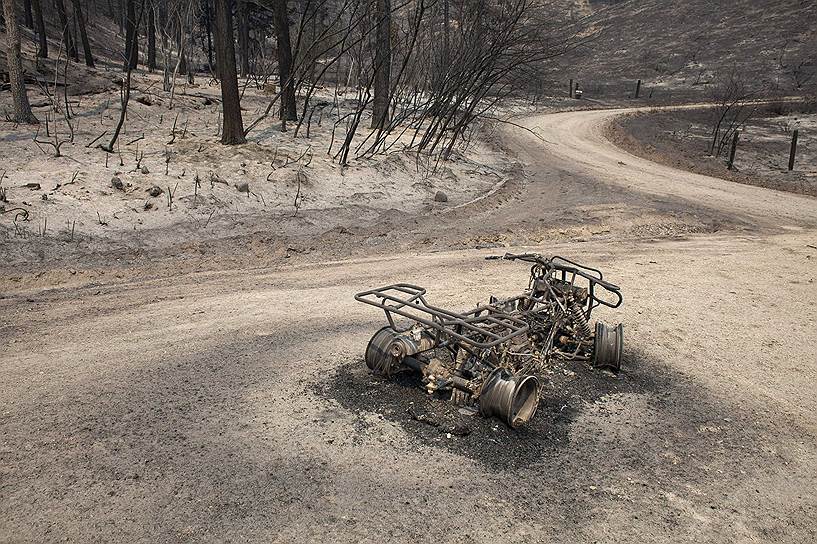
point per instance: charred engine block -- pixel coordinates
(495, 356)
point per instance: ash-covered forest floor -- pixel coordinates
(170, 180)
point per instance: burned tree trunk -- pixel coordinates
(42, 38)
(131, 38)
(126, 81)
(120, 15)
(285, 75)
(382, 64)
(68, 40)
(209, 28)
(244, 36)
(151, 36)
(233, 126)
(22, 108)
(29, 19)
(446, 33)
(180, 45)
(86, 45)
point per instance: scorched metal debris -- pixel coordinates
(495, 356)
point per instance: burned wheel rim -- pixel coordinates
(512, 399)
(378, 356)
(608, 346)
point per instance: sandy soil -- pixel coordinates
(681, 138)
(233, 405)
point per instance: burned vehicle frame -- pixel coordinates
(497, 355)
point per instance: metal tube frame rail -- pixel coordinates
(551, 265)
(457, 325)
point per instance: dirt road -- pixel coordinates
(234, 405)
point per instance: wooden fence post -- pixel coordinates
(793, 150)
(571, 87)
(732, 151)
(637, 88)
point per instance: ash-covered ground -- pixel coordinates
(572, 389)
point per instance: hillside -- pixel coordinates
(675, 48)
(679, 47)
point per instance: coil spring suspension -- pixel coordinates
(580, 320)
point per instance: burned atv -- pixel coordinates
(497, 355)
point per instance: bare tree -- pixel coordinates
(181, 43)
(131, 37)
(175, 17)
(382, 63)
(22, 108)
(42, 38)
(244, 36)
(446, 32)
(335, 40)
(232, 124)
(426, 71)
(86, 45)
(732, 95)
(126, 82)
(29, 18)
(289, 110)
(208, 27)
(497, 48)
(67, 38)
(151, 30)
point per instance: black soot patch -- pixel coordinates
(435, 421)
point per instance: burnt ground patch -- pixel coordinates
(681, 139)
(652, 444)
(681, 408)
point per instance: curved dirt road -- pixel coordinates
(577, 139)
(234, 406)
